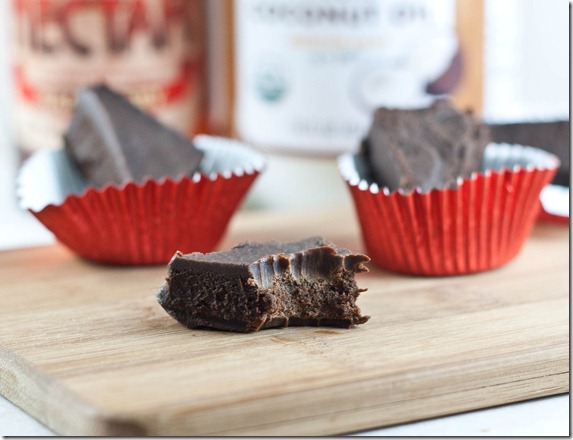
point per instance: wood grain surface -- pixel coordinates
(87, 350)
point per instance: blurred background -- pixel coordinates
(297, 79)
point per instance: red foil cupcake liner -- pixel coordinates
(140, 224)
(480, 225)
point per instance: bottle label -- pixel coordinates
(309, 73)
(148, 49)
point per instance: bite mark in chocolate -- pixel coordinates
(256, 286)
(112, 142)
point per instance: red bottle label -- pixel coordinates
(151, 50)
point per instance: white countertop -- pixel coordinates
(548, 417)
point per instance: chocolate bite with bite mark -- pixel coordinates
(426, 148)
(112, 142)
(256, 286)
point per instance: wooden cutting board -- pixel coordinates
(87, 350)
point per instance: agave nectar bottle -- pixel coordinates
(309, 73)
(151, 50)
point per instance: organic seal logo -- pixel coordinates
(270, 83)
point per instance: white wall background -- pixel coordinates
(526, 59)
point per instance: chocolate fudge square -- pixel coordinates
(256, 286)
(425, 148)
(112, 142)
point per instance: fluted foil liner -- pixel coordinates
(480, 225)
(140, 223)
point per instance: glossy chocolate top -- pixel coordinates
(112, 141)
(309, 258)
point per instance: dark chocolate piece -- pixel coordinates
(424, 148)
(112, 141)
(256, 286)
(551, 136)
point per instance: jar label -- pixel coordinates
(148, 49)
(309, 73)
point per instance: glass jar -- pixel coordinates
(309, 73)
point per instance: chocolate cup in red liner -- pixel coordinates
(552, 134)
(140, 223)
(480, 225)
